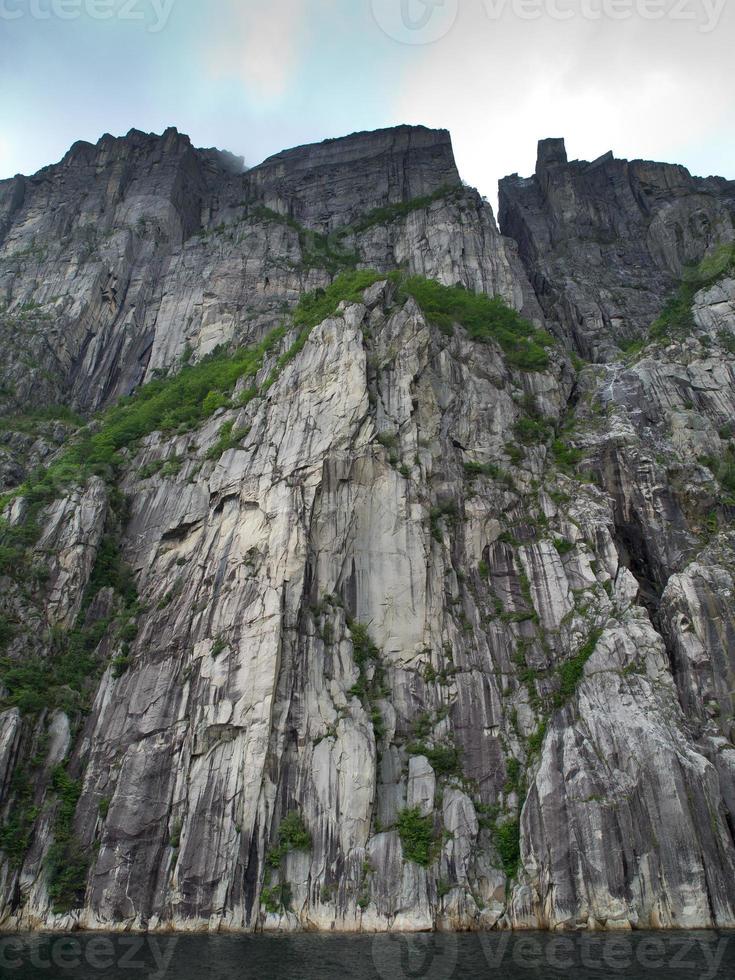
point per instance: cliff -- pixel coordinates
(606, 242)
(396, 593)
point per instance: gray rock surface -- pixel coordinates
(468, 629)
(135, 253)
(603, 242)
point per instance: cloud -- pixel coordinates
(659, 90)
(255, 77)
(261, 43)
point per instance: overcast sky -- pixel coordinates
(645, 78)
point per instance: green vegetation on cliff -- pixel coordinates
(486, 319)
(417, 836)
(183, 401)
(63, 678)
(390, 212)
(677, 318)
(67, 863)
(507, 840)
(174, 404)
(326, 251)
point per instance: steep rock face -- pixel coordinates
(659, 424)
(137, 253)
(605, 242)
(405, 636)
(328, 185)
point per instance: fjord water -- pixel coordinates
(639, 956)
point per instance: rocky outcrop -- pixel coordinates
(605, 242)
(399, 635)
(329, 185)
(133, 255)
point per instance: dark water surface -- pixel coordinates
(640, 956)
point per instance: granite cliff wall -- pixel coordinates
(422, 617)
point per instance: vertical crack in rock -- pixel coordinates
(399, 592)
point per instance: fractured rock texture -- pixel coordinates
(385, 600)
